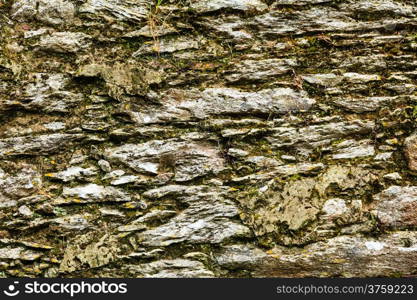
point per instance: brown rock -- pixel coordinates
(397, 206)
(411, 151)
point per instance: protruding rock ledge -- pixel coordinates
(343, 256)
(207, 218)
(204, 6)
(187, 159)
(187, 105)
(54, 12)
(37, 145)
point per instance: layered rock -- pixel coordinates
(186, 160)
(207, 138)
(205, 220)
(179, 105)
(388, 256)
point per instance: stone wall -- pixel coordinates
(208, 138)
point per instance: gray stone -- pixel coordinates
(55, 126)
(380, 7)
(367, 104)
(252, 70)
(47, 93)
(353, 149)
(302, 22)
(317, 135)
(65, 42)
(73, 173)
(168, 46)
(240, 257)
(111, 212)
(122, 79)
(37, 145)
(352, 77)
(179, 105)
(334, 208)
(276, 169)
(155, 215)
(22, 184)
(76, 222)
(131, 228)
(237, 152)
(91, 193)
(133, 11)
(231, 27)
(188, 160)
(343, 256)
(151, 32)
(326, 80)
(366, 63)
(332, 80)
(147, 254)
(25, 211)
(53, 12)
(301, 2)
(104, 165)
(124, 180)
(19, 253)
(207, 218)
(384, 156)
(288, 157)
(175, 268)
(203, 6)
(264, 162)
(115, 174)
(395, 176)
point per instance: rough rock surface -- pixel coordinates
(206, 219)
(187, 160)
(347, 256)
(410, 144)
(50, 12)
(396, 206)
(208, 138)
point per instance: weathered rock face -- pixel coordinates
(206, 219)
(36, 145)
(45, 92)
(347, 256)
(64, 42)
(225, 101)
(17, 186)
(208, 138)
(203, 6)
(50, 12)
(186, 160)
(178, 268)
(134, 11)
